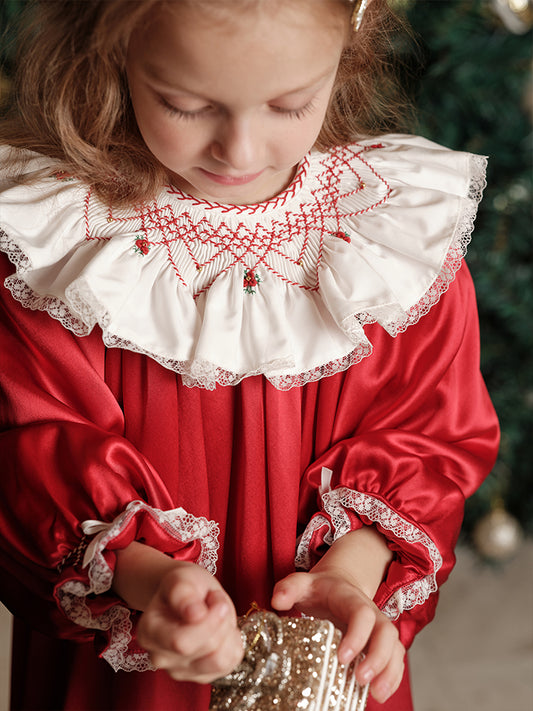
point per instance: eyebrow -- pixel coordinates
(154, 73)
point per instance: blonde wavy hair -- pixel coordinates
(71, 101)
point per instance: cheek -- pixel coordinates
(163, 136)
(302, 137)
(165, 139)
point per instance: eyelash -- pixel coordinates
(295, 113)
(179, 113)
(188, 115)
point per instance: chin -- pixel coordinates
(259, 190)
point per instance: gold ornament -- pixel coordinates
(498, 535)
(516, 15)
(290, 664)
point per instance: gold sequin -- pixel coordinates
(290, 663)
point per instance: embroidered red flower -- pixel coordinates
(63, 176)
(250, 280)
(142, 246)
(342, 235)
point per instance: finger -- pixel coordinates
(155, 632)
(184, 626)
(223, 660)
(202, 639)
(176, 646)
(383, 638)
(361, 623)
(184, 600)
(219, 604)
(290, 590)
(215, 656)
(193, 612)
(386, 683)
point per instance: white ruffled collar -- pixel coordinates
(370, 232)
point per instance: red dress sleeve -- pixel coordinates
(65, 461)
(428, 438)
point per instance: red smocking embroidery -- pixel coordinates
(263, 207)
(288, 245)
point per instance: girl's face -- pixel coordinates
(231, 103)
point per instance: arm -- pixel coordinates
(414, 434)
(65, 461)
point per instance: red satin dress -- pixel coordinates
(92, 429)
(248, 479)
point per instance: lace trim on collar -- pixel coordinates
(219, 293)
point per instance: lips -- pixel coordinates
(230, 179)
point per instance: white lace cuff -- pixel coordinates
(171, 531)
(336, 523)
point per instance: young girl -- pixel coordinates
(239, 351)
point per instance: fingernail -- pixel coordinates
(346, 655)
(366, 676)
(223, 609)
(383, 692)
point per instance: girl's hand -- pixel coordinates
(330, 594)
(189, 627)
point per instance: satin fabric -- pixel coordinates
(86, 430)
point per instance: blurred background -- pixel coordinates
(475, 93)
(470, 75)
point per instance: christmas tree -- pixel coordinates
(474, 93)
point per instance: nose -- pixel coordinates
(237, 143)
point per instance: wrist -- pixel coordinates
(361, 557)
(139, 570)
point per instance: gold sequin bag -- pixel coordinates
(290, 664)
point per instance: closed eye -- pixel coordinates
(182, 113)
(294, 113)
(297, 113)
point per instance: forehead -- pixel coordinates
(277, 44)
